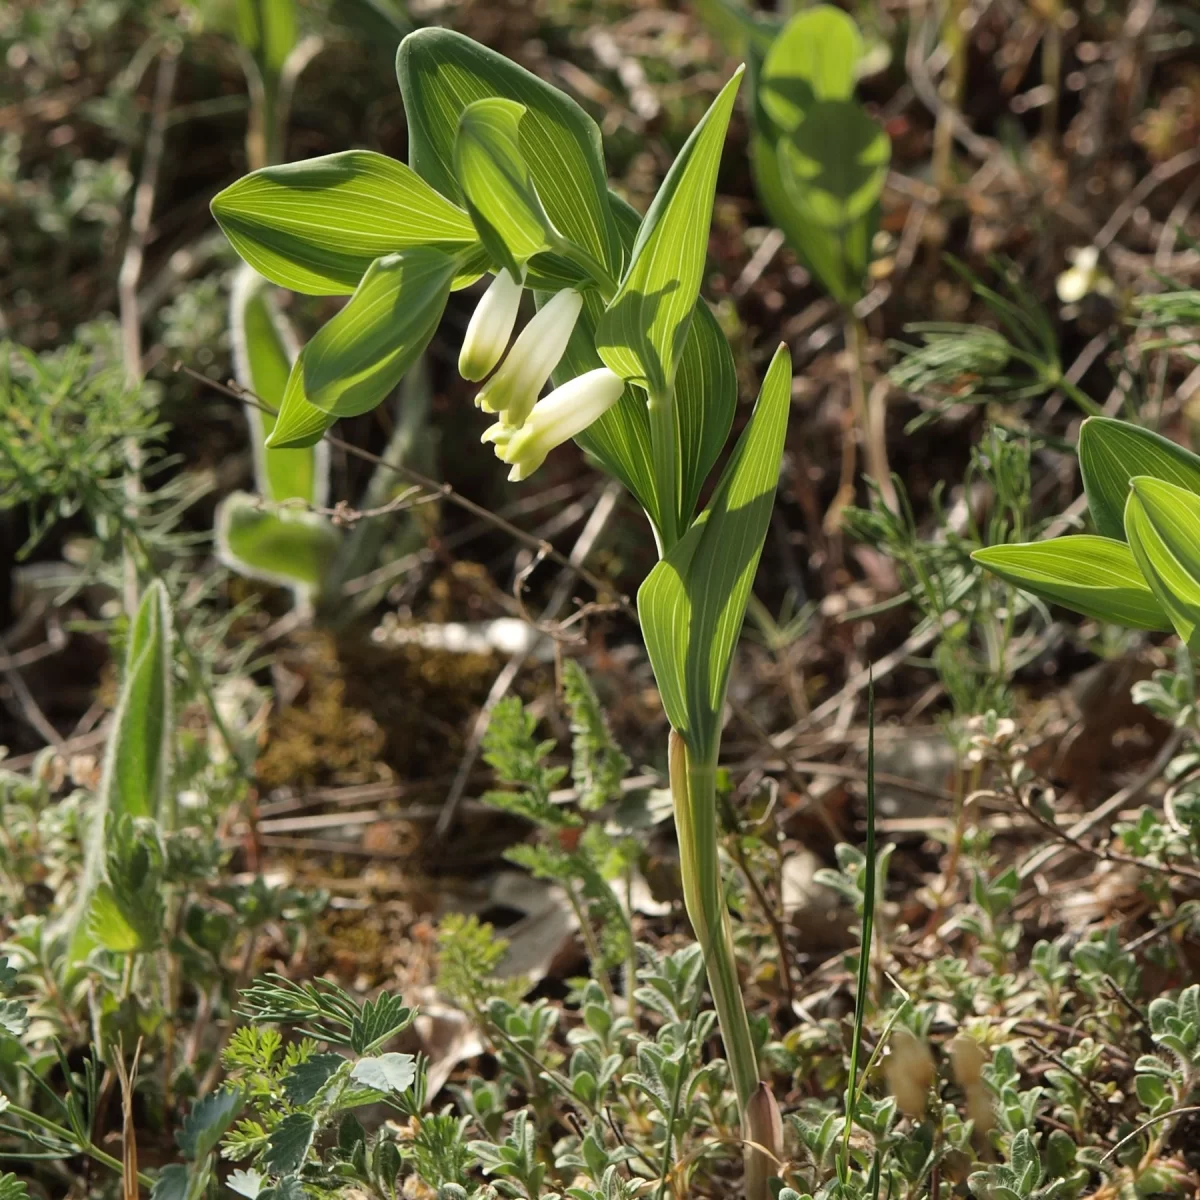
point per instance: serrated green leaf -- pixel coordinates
(205, 1125)
(288, 1145)
(172, 1183)
(1112, 452)
(305, 1080)
(299, 422)
(264, 349)
(1095, 576)
(283, 546)
(112, 927)
(360, 355)
(316, 226)
(1162, 524)
(693, 603)
(645, 326)
(441, 72)
(386, 1072)
(496, 185)
(14, 1017)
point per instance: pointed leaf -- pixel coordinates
(693, 603)
(305, 1080)
(283, 546)
(496, 184)
(173, 1183)
(207, 1122)
(642, 333)
(356, 359)
(288, 1145)
(1095, 576)
(264, 348)
(111, 927)
(316, 226)
(299, 422)
(1162, 523)
(137, 761)
(441, 72)
(1112, 452)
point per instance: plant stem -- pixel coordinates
(693, 790)
(665, 456)
(70, 1139)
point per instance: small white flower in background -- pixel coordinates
(562, 415)
(1083, 277)
(490, 327)
(513, 390)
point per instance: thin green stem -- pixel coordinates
(693, 790)
(70, 1139)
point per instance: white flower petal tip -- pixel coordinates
(490, 327)
(514, 388)
(561, 416)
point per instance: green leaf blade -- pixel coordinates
(1112, 453)
(496, 184)
(1162, 523)
(441, 72)
(1094, 576)
(645, 326)
(317, 226)
(360, 355)
(694, 601)
(283, 546)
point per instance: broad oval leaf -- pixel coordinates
(1162, 523)
(834, 164)
(284, 546)
(693, 603)
(316, 226)
(1095, 576)
(356, 358)
(264, 348)
(441, 72)
(644, 328)
(496, 185)
(814, 58)
(1113, 452)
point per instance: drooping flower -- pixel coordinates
(562, 415)
(490, 327)
(513, 390)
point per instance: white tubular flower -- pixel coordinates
(513, 390)
(562, 415)
(490, 327)
(1086, 276)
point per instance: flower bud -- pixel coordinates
(513, 390)
(562, 415)
(490, 327)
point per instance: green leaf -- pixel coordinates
(289, 1143)
(1113, 452)
(316, 226)
(835, 163)
(264, 348)
(283, 546)
(736, 26)
(299, 423)
(386, 1073)
(1162, 523)
(305, 1080)
(819, 184)
(1095, 576)
(111, 927)
(694, 601)
(173, 1183)
(207, 1122)
(13, 1188)
(441, 72)
(14, 1017)
(643, 331)
(360, 355)
(278, 33)
(496, 184)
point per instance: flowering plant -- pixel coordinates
(506, 177)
